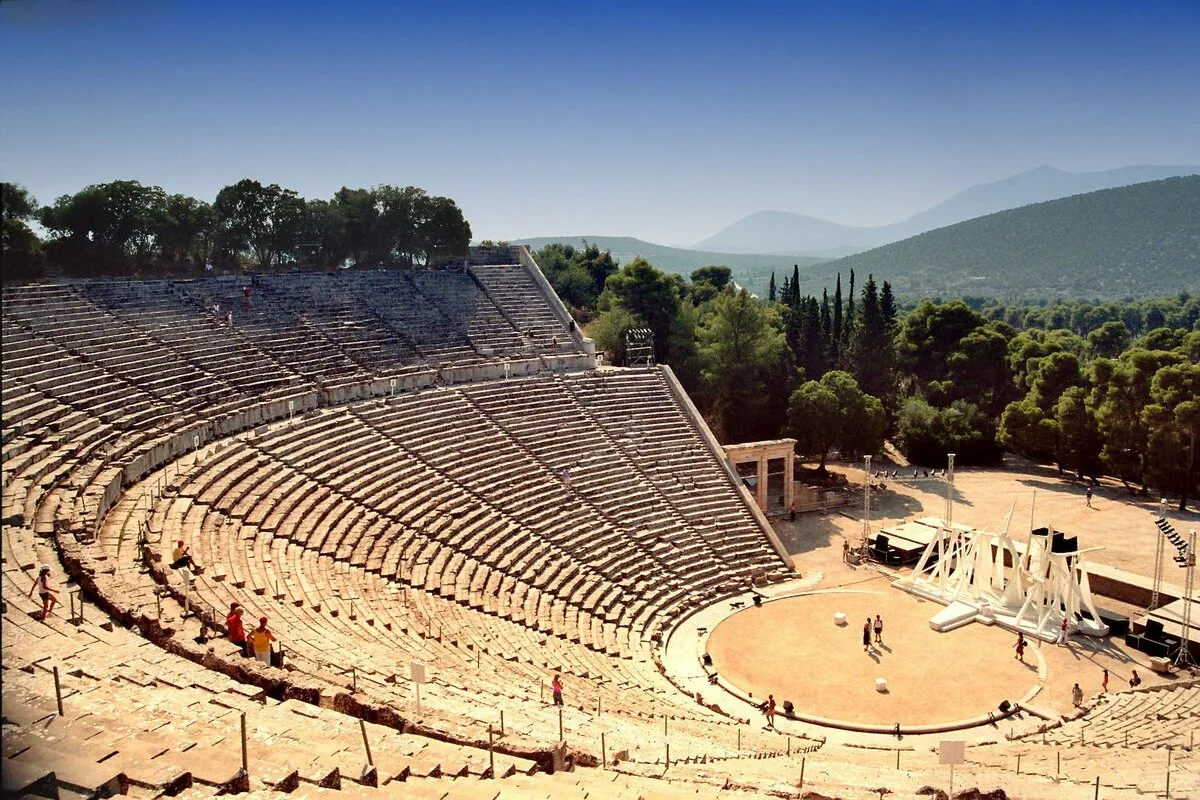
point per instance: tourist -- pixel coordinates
(771, 711)
(1020, 647)
(1089, 497)
(867, 635)
(1135, 680)
(792, 511)
(237, 630)
(1104, 681)
(41, 582)
(180, 558)
(878, 629)
(1076, 696)
(846, 550)
(260, 640)
(556, 689)
(1062, 631)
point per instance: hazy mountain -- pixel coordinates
(1135, 240)
(751, 271)
(784, 232)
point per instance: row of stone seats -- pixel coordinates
(319, 636)
(1154, 718)
(637, 411)
(909, 768)
(514, 290)
(136, 715)
(334, 521)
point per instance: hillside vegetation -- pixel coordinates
(750, 271)
(1134, 241)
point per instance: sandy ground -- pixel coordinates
(791, 648)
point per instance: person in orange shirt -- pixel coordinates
(260, 640)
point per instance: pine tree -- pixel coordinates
(835, 341)
(848, 325)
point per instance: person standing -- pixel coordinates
(878, 629)
(1135, 680)
(1062, 632)
(1076, 696)
(1104, 681)
(792, 511)
(260, 640)
(237, 630)
(1020, 647)
(41, 582)
(771, 711)
(1089, 497)
(867, 635)
(556, 688)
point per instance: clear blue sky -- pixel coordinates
(663, 121)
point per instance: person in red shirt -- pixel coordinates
(237, 630)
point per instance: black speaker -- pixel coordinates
(1004, 706)
(707, 660)
(758, 599)
(788, 708)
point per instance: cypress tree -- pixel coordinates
(771, 288)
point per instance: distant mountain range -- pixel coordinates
(781, 232)
(747, 269)
(1131, 241)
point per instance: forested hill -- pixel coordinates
(750, 271)
(1133, 241)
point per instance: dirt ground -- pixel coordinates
(1121, 524)
(931, 676)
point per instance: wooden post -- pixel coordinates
(802, 760)
(158, 605)
(1057, 765)
(1169, 773)
(542, 689)
(491, 754)
(598, 705)
(739, 732)
(664, 724)
(897, 758)
(362, 726)
(667, 763)
(502, 722)
(789, 745)
(1018, 763)
(560, 725)
(1096, 794)
(72, 596)
(58, 691)
(245, 754)
(353, 678)
(603, 752)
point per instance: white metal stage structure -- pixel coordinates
(987, 577)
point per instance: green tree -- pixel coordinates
(265, 220)
(834, 412)
(108, 228)
(1173, 419)
(1079, 442)
(1109, 340)
(650, 296)
(741, 342)
(441, 231)
(187, 232)
(872, 351)
(718, 276)
(21, 250)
